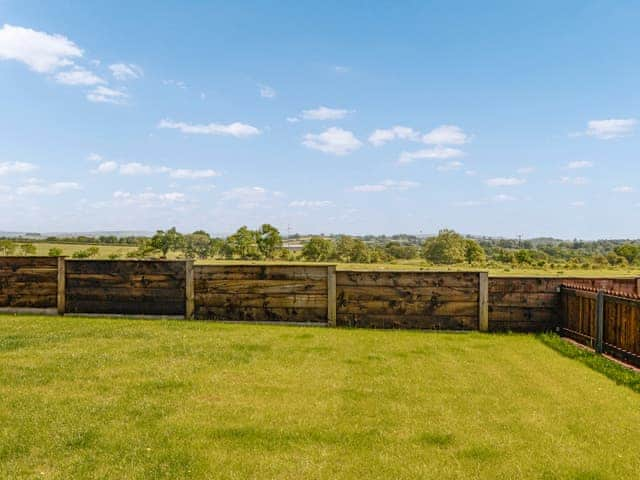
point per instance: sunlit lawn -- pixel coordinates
(113, 398)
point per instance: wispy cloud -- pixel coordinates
(579, 164)
(446, 135)
(235, 129)
(103, 94)
(505, 181)
(39, 187)
(126, 71)
(250, 197)
(324, 113)
(386, 185)
(334, 140)
(266, 91)
(381, 136)
(526, 170)
(448, 166)
(609, 128)
(623, 189)
(7, 168)
(311, 203)
(175, 83)
(136, 168)
(78, 76)
(574, 180)
(438, 153)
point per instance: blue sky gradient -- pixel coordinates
(210, 115)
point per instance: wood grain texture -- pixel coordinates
(418, 300)
(279, 293)
(29, 282)
(145, 287)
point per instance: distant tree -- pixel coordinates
(7, 247)
(242, 243)
(55, 252)
(318, 249)
(402, 252)
(114, 256)
(268, 240)
(166, 241)
(27, 249)
(344, 247)
(473, 252)
(197, 245)
(629, 251)
(87, 253)
(447, 248)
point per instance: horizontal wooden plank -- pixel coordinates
(407, 294)
(261, 314)
(421, 322)
(35, 301)
(138, 307)
(33, 262)
(519, 299)
(129, 267)
(275, 287)
(264, 301)
(407, 279)
(259, 272)
(396, 308)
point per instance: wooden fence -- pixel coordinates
(607, 321)
(289, 293)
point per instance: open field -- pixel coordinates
(68, 249)
(113, 398)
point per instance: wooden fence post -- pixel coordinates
(600, 322)
(189, 297)
(62, 286)
(331, 295)
(483, 302)
(638, 286)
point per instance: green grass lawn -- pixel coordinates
(113, 398)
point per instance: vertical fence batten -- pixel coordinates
(600, 322)
(62, 288)
(331, 295)
(189, 288)
(483, 301)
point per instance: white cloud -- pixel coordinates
(448, 166)
(386, 185)
(577, 204)
(610, 128)
(324, 113)
(311, 203)
(334, 140)
(16, 167)
(78, 76)
(175, 83)
(574, 180)
(192, 174)
(126, 71)
(381, 136)
(38, 187)
(505, 181)
(147, 199)
(438, 152)
(250, 197)
(503, 198)
(94, 157)
(579, 164)
(236, 129)
(266, 91)
(42, 52)
(103, 94)
(446, 135)
(341, 69)
(135, 168)
(106, 167)
(526, 170)
(293, 119)
(623, 189)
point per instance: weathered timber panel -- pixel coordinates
(127, 287)
(273, 293)
(579, 316)
(532, 304)
(28, 282)
(418, 300)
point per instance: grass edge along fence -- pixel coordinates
(285, 293)
(607, 321)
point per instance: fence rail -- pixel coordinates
(292, 293)
(605, 320)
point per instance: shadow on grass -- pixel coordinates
(616, 372)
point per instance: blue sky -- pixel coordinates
(493, 118)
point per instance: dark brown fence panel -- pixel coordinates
(28, 282)
(622, 328)
(128, 287)
(421, 300)
(272, 293)
(532, 304)
(579, 316)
